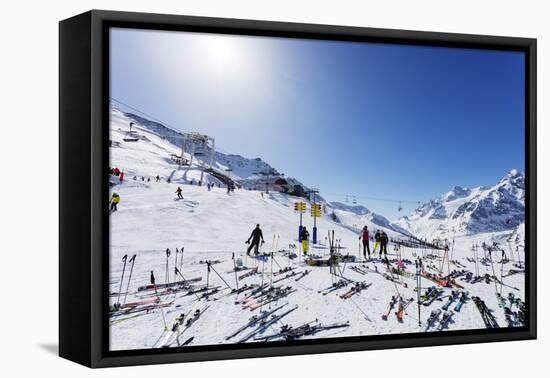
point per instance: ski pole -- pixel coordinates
(235, 270)
(271, 276)
(181, 275)
(161, 310)
(502, 270)
(262, 284)
(215, 271)
(124, 258)
(167, 275)
(176, 265)
(133, 259)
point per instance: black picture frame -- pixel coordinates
(84, 221)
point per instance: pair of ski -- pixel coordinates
(283, 270)
(402, 272)
(172, 290)
(359, 270)
(168, 284)
(387, 276)
(462, 298)
(302, 275)
(289, 275)
(255, 319)
(486, 314)
(251, 272)
(458, 263)
(181, 324)
(145, 308)
(434, 278)
(258, 291)
(355, 289)
(289, 333)
(434, 318)
(430, 296)
(335, 286)
(265, 323)
(512, 318)
(402, 306)
(511, 272)
(240, 290)
(269, 298)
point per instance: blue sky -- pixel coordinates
(368, 120)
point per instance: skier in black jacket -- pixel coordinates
(256, 235)
(384, 244)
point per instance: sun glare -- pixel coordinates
(223, 55)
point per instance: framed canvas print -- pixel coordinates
(252, 188)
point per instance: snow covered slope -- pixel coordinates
(213, 225)
(248, 173)
(470, 211)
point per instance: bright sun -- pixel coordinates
(223, 54)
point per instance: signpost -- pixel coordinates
(300, 207)
(315, 213)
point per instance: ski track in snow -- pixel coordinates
(211, 225)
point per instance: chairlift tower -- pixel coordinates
(198, 139)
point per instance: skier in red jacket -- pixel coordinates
(365, 236)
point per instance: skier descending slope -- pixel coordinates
(365, 236)
(304, 238)
(255, 236)
(178, 192)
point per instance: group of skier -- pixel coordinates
(381, 240)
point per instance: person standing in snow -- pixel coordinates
(178, 192)
(376, 241)
(304, 239)
(255, 236)
(152, 278)
(115, 199)
(158, 178)
(365, 237)
(384, 244)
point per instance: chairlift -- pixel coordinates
(354, 201)
(399, 207)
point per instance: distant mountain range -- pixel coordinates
(500, 207)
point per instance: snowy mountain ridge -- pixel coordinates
(251, 173)
(467, 211)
